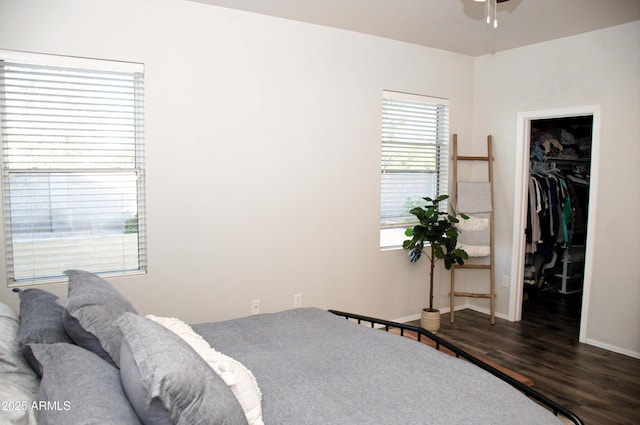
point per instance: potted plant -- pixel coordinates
(437, 237)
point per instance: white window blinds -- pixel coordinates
(72, 169)
(415, 133)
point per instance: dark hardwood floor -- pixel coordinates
(600, 386)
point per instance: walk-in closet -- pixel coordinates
(558, 204)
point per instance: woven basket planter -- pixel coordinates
(430, 320)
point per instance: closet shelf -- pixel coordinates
(572, 270)
(564, 159)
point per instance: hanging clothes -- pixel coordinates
(554, 214)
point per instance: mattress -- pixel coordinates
(317, 368)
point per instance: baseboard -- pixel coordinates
(407, 318)
(613, 348)
(486, 311)
(417, 315)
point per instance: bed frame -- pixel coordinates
(458, 352)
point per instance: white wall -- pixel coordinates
(597, 68)
(262, 149)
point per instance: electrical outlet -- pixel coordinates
(297, 300)
(505, 280)
(255, 306)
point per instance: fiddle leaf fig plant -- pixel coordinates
(436, 236)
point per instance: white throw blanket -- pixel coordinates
(475, 237)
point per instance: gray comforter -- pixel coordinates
(316, 368)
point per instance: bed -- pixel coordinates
(92, 359)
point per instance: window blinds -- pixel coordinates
(73, 169)
(415, 133)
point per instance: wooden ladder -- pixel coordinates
(490, 266)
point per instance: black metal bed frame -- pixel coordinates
(439, 342)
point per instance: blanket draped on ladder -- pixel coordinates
(474, 200)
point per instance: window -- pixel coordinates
(72, 166)
(415, 133)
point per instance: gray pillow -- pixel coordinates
(40, 322)
(83, 388)
(172, 372)
(153, 413)
(83, 338)
(91, 310)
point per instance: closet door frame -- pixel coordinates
(520, 206)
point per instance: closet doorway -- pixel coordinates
(557, 153)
